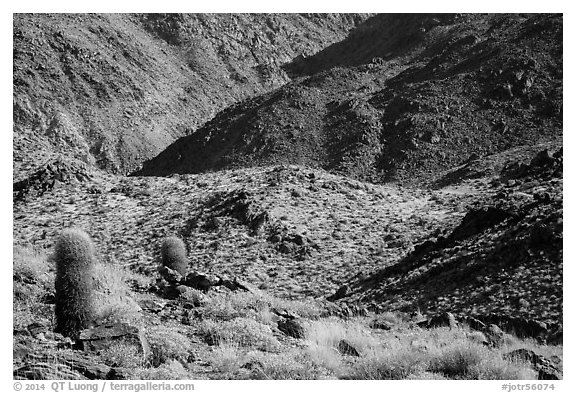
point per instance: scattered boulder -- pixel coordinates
(292, 328)
(520, 327)
(445, 319)
(35, 329)
(345, 348)
(495, 335)
(199, 281)
(151, 305)
(340, 293)
(171, 276)
(543, 159)
(475, 324)
(100, 337)
(119, 373)
(381, 324)
(48, 177)
(241, 205)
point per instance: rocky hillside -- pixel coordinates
(505, 255)
(403, 97)
(115, 89)
(365, 197)
(298, 273)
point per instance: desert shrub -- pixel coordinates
(173, 253)
(74, 257)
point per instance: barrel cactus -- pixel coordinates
(74, 255)
(173, 254)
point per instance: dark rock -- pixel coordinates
(48, 177)
(286, 247)
(475, 324)
(340, 293)
(543, 158)
(284, 313)
(521, 327)
(237, 284)
(171, 276)
(275, 238)
(101, 337)
(151, 305)
(199, 281)
(292, 328)
(445, 319)
(381, 324)
(253, 364)
(37, 328)
(556, 337)
(541, 235)
(345, 348)
(119, 373)
(478, 220)
(495, 335)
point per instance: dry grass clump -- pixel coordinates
(171, 370)
(230, 305)
(468, 360)
(256, 305)
(227, 359)
(438, 353)
(389, 365)
(32, 267)
(122, 354)
(328, 332)
(113, 296)
(293, 364)
(324, 336)
(166, 344)
(33, 279)
(244, 332)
